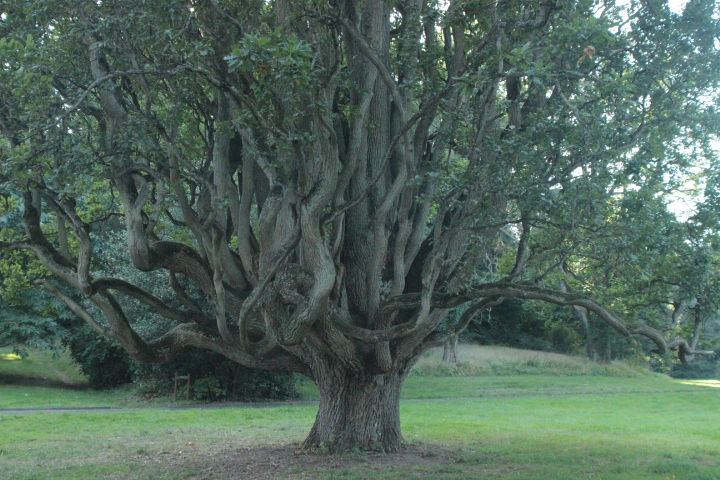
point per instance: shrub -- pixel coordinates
(702, 367)
(103, 361)
(214, 378)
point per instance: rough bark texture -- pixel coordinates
(450, 350)
(357, 410)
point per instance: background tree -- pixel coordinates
(341, 169)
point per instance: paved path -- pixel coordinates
(201, 406)
(224, 405)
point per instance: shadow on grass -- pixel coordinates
(288, 461)
(9, 379)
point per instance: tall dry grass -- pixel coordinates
(492, 360)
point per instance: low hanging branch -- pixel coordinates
(529, 292)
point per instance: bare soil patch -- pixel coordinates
(281, 462)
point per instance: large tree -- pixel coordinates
(333, 176)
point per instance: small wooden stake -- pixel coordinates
(187, 391)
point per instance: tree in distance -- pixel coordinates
(322, 181)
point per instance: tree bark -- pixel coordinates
(357, 411)
(450, 350)
(590, 350)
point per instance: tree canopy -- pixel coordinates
(322, 181)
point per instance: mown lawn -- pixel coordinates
(460, 427)
(416, 388)
(527, 385)
(631, 436)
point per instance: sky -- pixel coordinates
(677, 5)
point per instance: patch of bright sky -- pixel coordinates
(683, 204)
(676, 6)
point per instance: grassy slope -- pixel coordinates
(474, 360)
(524, 385)
(43, 381)
(39, 367)
(500, 371)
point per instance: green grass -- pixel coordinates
(40, 367)
(534, 385)
(43, 381)
(23, 396)
(476, 360)
(80, 446)
(509, 427)
(627, 437)
(639, 436)
(524, 385)
(486, 371)
(20, 396)
(554, 376)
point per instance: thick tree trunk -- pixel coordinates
(357, 411)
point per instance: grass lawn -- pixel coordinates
(634, 436)
(41, 380)
(39, 367)
(562, 425)
(528, 385)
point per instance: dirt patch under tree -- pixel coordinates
(280, 462)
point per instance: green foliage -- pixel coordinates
(17, 272)
(104, 362)
(271, 56)
(703, 367)
(510, 324)
(30, 318)
(215, 378)
(21, 330)
(527, 325)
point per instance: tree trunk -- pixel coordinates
(581, 314)
(450, 350)
(357, 411)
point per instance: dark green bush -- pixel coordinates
(513, 323)
(216, 378)
(702, 367)
(532, 325)
(103, 361)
